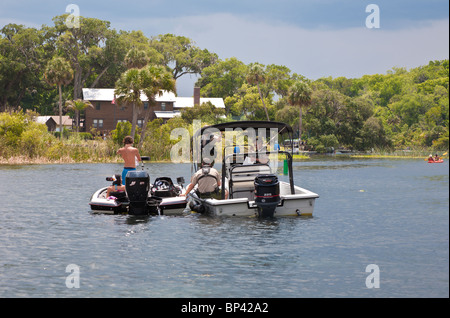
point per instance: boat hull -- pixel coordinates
(299, 204)
(164, 206)
(437, 161)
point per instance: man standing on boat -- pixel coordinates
(129, 155)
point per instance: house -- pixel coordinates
(107, 111)
(52, 122)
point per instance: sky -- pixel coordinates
(314, 38)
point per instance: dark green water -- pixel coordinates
(391, 213)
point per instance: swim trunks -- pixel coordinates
(124, 173)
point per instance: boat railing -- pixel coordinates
(226, 167)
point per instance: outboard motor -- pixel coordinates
(196, 206)
(267, 194)
(137, 185)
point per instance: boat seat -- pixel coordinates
(242, 179)
(118, 194)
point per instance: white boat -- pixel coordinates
(140, 197)
(252, 189)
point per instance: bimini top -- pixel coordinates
(282, 127)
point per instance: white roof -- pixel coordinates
(107, 94)
(42, 119)
(166, 114)
(66, 120)
(183, 102)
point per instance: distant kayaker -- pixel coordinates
(430, 157)
(436, 157)
(129, 155)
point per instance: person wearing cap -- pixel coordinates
(207, 180)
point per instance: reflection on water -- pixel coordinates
(393, 213)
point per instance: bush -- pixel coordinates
(324, 144)
(122, 130)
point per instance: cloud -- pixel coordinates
(350, 52)
(314, 53)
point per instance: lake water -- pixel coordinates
(390, 213)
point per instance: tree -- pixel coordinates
(300, 95)
(150, 81)
(154, 80)
(136, 58)
(222, 79)
(256, 76)
(246, 102)
(22, 60)
(58, 72)
(128, 90)
(78, 106)
(206, 112)
(85, 47)
(181, 55)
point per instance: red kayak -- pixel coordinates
(436, 161)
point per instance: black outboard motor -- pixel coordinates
(196, 206)
(137, 185)
(267, 194)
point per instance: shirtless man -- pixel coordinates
(128, 153)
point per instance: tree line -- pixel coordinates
(42, 67)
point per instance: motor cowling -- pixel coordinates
(137, 185)
(267, 194)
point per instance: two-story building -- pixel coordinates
(107, 111)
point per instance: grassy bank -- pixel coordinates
(25, 142)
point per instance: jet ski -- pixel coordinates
(139, 197)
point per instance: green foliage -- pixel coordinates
(20, 135)
(402, 108)
(158, 143)
(324, 143)
(122, 130)
(206, 112)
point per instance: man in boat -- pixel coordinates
(207, 180)
(129, 155)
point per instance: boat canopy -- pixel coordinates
(282, 127)
(241, 142)
(265, 129)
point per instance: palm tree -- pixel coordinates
(78, 106)
(136, 58)
(155, 79)
(256, 76)
(300, 95)
(58, 72)
(128, 90)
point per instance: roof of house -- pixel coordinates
(66, 120)
(183, 102)
(107, 94)
(166, 114)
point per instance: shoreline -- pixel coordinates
(23, 160)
